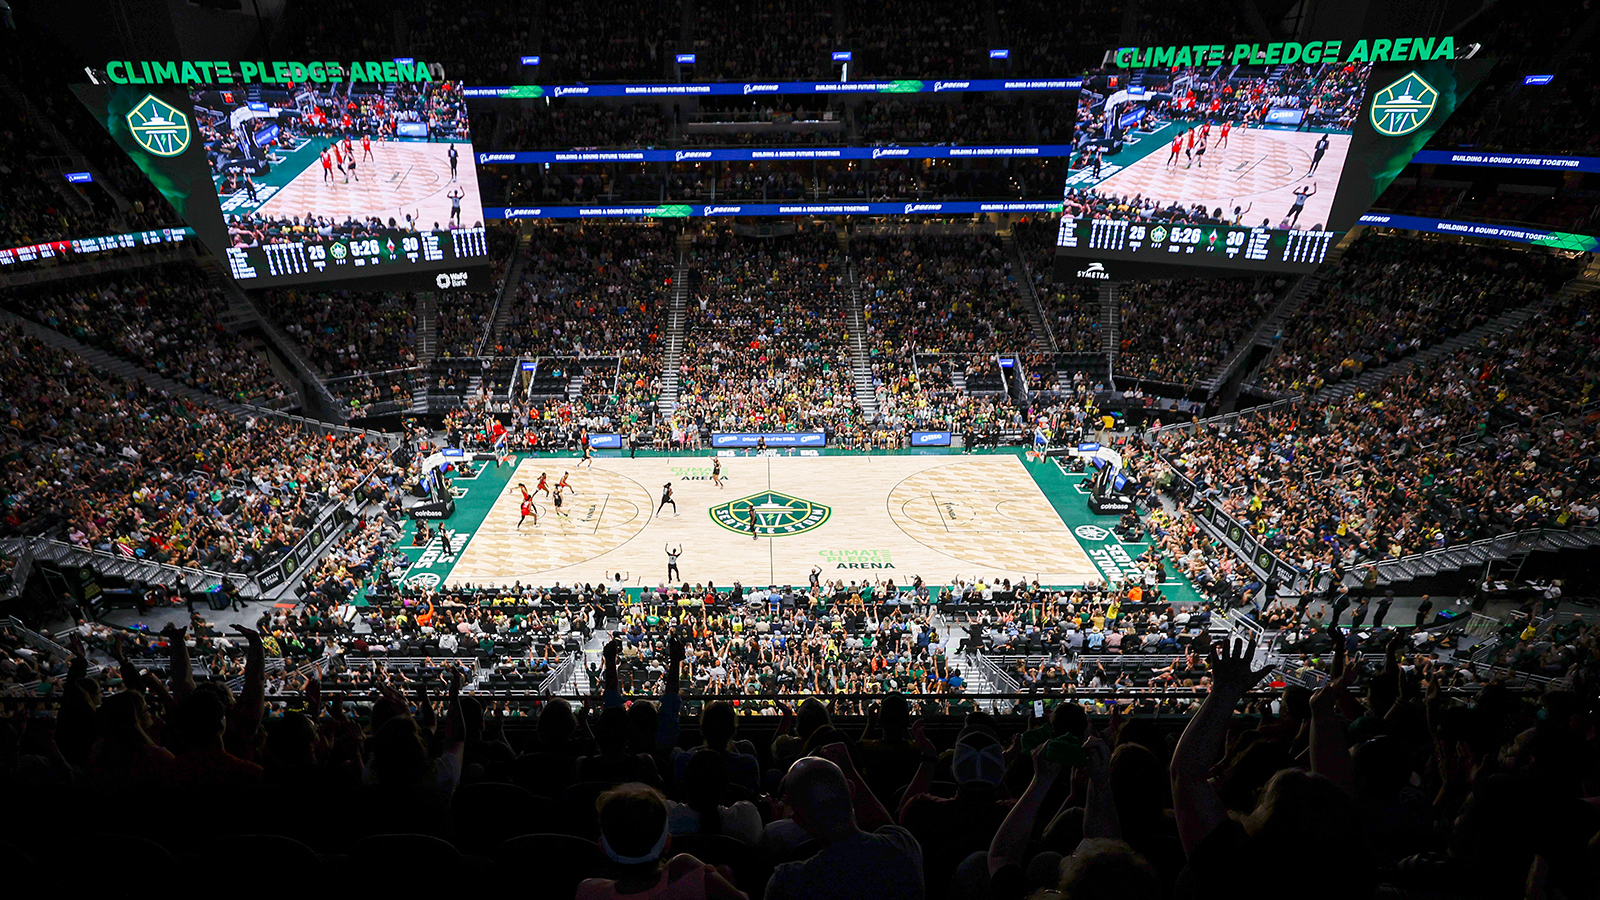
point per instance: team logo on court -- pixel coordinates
(425, 580)
(1403, 106)
(776, 514)
(1091, 532)
(159, 127)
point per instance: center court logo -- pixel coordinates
(159, 127)
(1091, 532)
(776, 515)
(1403, 106)
(1095, 270)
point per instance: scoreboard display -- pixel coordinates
(315, 259)
(1223, 246)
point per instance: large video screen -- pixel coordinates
(338, 179)
(1254, 168)
(310, 183)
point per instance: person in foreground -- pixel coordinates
(634, 835)
(827, 798)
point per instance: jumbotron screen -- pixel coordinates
(311, 182)
(1254, 168)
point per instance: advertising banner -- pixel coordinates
(774, 439)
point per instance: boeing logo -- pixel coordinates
(760, 88)
(682, 155)
(876, 152)
(521, 211)
(1095, 270)
(564, 91)
(721, 210)
(495, 157)
(950, 86)
(923, 207)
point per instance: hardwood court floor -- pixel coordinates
(403, 178)
(858, 517)
(1259, 166)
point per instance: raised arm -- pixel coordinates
(178, 667)
(1010, 843)
(1195, 802)
(246, 715)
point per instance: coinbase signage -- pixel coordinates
(930, 438)
(774, 439)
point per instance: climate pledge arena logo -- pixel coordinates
(159, 127)
(1403, 106)
(776, 514)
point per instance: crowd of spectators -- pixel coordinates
(976, 805)
(165, 319)
(114, 466)
(575, 124)
(1180, 330)
(598, 290)
(1490, 439)
(980, 120)
(1391, 296)
(781, 40)
(347, 332)
(763, 346)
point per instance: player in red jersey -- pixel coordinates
(1188, 151)
(528, 508)
(338, 162)
(327, 167)
(562, 484)
(543, 484)
(1223, 140)
(1177, 147)
(366, 147)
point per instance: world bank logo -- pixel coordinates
(1403, 106)
(776, 515)
(159, 127)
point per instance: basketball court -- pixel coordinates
(1259, 166)
(402, 178)
(856, 517)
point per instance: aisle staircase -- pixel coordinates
(506, 302)
(426, 313)
(672, 340)
(1043, 335)
(1265, 333)
(1111, 320)
(860, 360)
